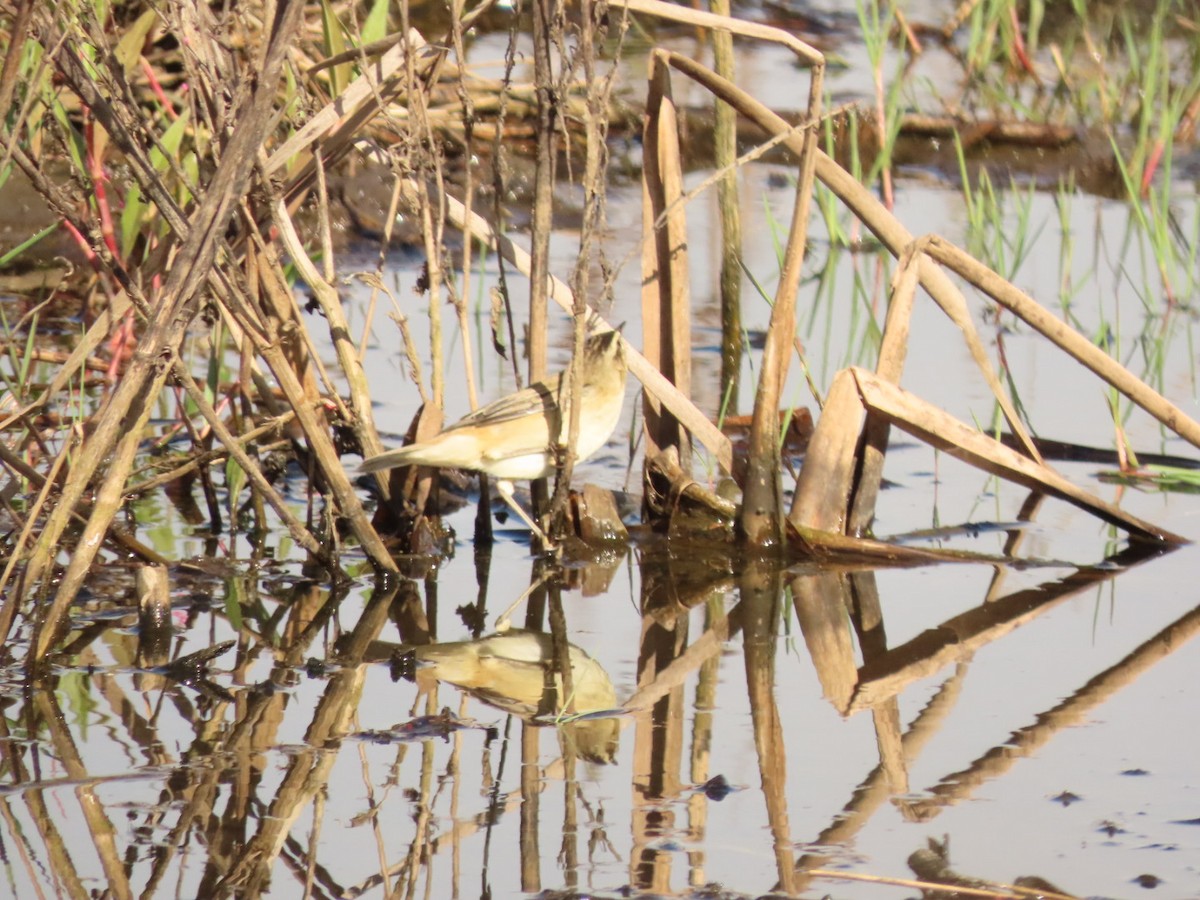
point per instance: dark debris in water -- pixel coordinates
(194, 665)
(703, 892)
(422, 728)
(717, 788)
(1066, 798)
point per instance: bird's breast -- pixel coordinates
(524, 467)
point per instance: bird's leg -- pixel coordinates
(504, 621)
(506, 490)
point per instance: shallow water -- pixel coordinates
(1040, 734)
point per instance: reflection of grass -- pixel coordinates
(1163, 478)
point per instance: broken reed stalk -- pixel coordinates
(893, 352)
(666, 305)
(760, 522)
(1070, 341)
(820, 501)
(839, 489)
(863, 204)
(835, 501)
(938, 429)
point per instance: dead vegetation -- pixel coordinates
(217, 176)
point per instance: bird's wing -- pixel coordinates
(534, 437)
(535, 399)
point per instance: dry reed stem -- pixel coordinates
(250, 466)
(115, 441)
(938, 429)
(374, 279)
(1070, 341)
(666, 322)
(263, 264)
(662, 10)
(12, 599)
(892, 353)
(873, 214)
(763, 504)
(725, 154)
(546, 32)
(364, 93)
(411, 354)
(17, 29)
(599, 92)
(468, 112)
(761, 513)
(339, 331)
(824, 488)
(128, 411)
(762, 507)
(312, 423)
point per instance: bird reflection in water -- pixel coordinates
(515, 672)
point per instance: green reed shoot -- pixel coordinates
(1068, 288)
(21, 355)
(998, 238)
(876, 27)
(28, 243)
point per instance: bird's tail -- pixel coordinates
(453, 449)
(402, 456)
